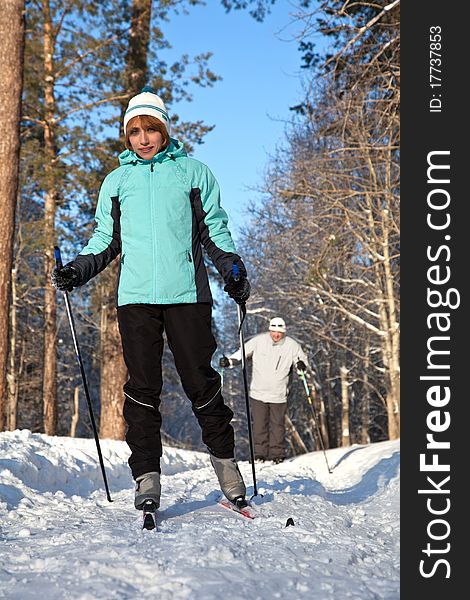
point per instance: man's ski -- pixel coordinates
(149, 513)
(240, 507)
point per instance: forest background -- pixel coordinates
(318, 230)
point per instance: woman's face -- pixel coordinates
(146, 141)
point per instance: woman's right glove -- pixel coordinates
(238, 289)
(65, 278)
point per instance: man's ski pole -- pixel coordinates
(315, 420)
(221, 373)
(58, 262)
(241, 318)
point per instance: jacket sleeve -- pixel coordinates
(212, 221)
(299, 354)
(236, 357)
(105, 243)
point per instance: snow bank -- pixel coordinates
(61, 538)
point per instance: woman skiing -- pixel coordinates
(157, 210)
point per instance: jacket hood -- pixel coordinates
(174, 150)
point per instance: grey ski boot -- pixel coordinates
(147, 487)
(230, 479)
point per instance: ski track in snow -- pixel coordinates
(61, 538)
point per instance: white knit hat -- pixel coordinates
(147, 103)
(277, 324)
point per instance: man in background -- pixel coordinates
(274, 354)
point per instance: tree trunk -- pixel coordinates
(113, 368)
(136, 57)
(294, 434)
(345, 436)
(321, 412)
(11, 85)
(75, 414)
(333, 424)
(50, 328)
(113, 371)
(365, 400)
(12, 377)
(319, 432)
(388, 321)
(393, 350)
(310, 430)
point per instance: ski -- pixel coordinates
(242, 508)
(149, 513)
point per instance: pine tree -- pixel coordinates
(11, 82)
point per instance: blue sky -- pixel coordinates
(250, 105)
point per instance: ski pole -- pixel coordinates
(315, 420)
(236, 276)
(221, 373)
(58, 262)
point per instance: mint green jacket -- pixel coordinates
(158, 214)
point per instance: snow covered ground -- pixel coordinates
(60, 537)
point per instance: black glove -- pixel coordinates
(301, 365)
(224, 362)
(238, 290)
(65, 279)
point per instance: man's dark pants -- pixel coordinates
(269, 430)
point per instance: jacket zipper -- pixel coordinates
(278, 361)
(154, 236)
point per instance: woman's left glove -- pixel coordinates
(65, 279)
(238, 289)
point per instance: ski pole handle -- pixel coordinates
(235, 271)
(307, 389)
(57, 257)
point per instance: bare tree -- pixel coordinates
(327, 236)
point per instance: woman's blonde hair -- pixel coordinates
(148, 121)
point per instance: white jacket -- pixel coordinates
(272, 362)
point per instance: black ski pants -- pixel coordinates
(189, 335)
